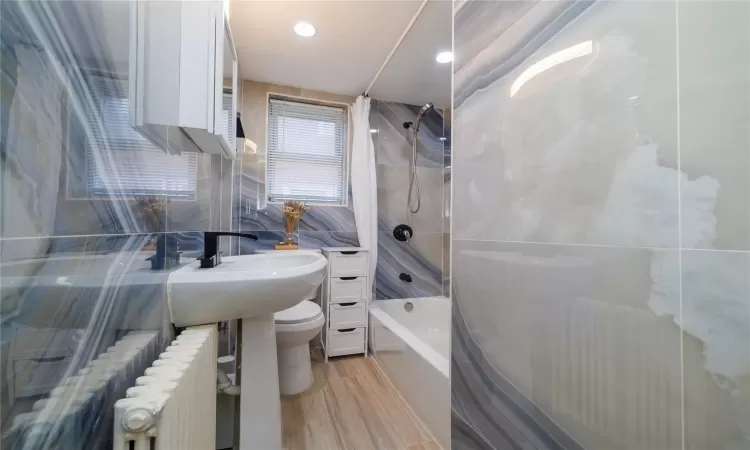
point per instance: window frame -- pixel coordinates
(347, 151)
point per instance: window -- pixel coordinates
(307, 148)
(121, 160)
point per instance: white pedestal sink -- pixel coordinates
(250, 288)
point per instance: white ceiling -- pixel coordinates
(353, 40)
(413, 76)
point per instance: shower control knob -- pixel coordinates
(403, 233)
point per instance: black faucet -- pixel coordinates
(211, 255)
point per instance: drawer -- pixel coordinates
(346, 341)
(347, 315)
(348, 289)
(351, 264)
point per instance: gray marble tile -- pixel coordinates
(393, 196)
(714, 113)
(329, 218)
(318, 239)
(266, 241)
(396, 258)
(569, 335)
(716, 346)
(393, 143)
(585, 152)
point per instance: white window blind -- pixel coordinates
(306, 152)
(227, 120)
(120, 160)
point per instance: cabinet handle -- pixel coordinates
(347, 278)
(348, 304)
(346, 330)
(349, 252)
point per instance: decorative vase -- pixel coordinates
(293, 212)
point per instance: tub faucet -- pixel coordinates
(211, 255)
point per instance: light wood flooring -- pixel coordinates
(351, 406)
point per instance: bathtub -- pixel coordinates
(413, 349)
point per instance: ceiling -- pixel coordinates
(353, 40)
(412, 75)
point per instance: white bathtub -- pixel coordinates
(413, 349)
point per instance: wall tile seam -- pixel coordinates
(634, 247)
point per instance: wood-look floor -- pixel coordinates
(351, 406)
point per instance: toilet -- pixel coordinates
(295, 328)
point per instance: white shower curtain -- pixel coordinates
(364, 182)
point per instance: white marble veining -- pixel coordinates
(601, 220)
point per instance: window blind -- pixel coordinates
(306, 152)
(227, 121)
(119, 159)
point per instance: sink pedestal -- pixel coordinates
(260, 401)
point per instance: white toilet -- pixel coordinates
(295, 327)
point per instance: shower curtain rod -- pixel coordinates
(395, 47)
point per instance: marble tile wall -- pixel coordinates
(601, 231)
(422, 257)
(76, 268)
(323, 225)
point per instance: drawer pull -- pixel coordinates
(346, 330)
(349, 252)
(348, 304)
(347, 278)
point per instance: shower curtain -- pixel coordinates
(364, 182)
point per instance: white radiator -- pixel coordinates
(65, 418)
(174, 403)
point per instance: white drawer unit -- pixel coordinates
(346, 341)
(348, 289)
(346, 301)
(344, 315)
(349, 263)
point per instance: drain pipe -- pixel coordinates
(224, 384)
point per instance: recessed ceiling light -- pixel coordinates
(444, 57)
(305, 29)
(442, 138)
(373, 130)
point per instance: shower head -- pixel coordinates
(423, 112)
(425, 109)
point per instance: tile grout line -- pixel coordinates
(679, 224)
(624, 247)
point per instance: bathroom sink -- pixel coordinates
(242, 287)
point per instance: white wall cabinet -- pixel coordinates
(181, 53)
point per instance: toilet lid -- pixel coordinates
(301, 312)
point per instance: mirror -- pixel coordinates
(228, 101)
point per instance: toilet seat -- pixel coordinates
(305, 311)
